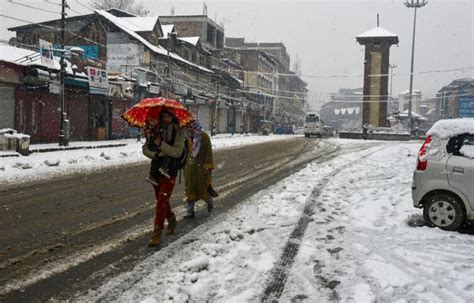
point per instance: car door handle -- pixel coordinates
(458, 170)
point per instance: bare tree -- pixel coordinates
(130, 6)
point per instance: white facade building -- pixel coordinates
(404, 99)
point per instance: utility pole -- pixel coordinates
(62, 75)
(413, 4)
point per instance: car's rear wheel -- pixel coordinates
(444, 211)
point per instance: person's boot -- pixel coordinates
(155, 237)
(189, 211)
(172, 223)
(210, 204)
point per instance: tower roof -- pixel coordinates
(377, 34)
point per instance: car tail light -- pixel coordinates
(422, 162)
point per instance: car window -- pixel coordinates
(455, 143)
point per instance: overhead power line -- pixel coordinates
(33, 7)
(52, 27)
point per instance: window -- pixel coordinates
(312, 119)
(456, 143)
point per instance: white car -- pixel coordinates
(443, 181)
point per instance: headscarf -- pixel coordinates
(195, 130)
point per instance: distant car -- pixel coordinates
(312, 125)
(443, 181)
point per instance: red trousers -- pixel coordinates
(163, 194)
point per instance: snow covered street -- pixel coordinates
(337, 230)
(16, 170)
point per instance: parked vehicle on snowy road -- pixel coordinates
(443, 181)
(312, 125)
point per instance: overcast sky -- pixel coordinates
(322, 34)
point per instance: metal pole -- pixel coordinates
(61, 75)
(410, 92)
(413, 4)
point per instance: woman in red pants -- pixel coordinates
(170, 145)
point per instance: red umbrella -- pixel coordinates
(136, 116)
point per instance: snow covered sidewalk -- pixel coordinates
(40, 166)
(356, 247)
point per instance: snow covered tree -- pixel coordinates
(130, 6)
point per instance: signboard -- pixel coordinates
(200, 100)
(98, 83)
(466, 103)
(154, 89)
(141, 77)
(46, 50)
(90, 51)
(123, 55)
(180, 89)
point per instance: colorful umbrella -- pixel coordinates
(137, 114)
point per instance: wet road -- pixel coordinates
(68, 235)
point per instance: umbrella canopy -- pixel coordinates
(136, 116)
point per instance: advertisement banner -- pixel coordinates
(466, 103)
(46, 50)
(90, 51)
(98, 83)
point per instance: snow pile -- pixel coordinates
(467, 151)
(447, 128)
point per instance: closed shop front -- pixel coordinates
(7, 106)
(222, 128)
(205, 117)
(37, 113)
(119, 127)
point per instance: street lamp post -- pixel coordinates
(413, 4)
(62, 73)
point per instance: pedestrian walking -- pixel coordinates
(162, 128)
(198, 169)
(365, 129)
(168, 149)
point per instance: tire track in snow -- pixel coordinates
(279, 273)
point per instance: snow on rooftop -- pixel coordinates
(191, 40)
(413, 114)
(167, 29)
(14, 54)
(125, 26)
(451, 127)
(28, 57)
(141, 24)
(377, 32)
(406, 92)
